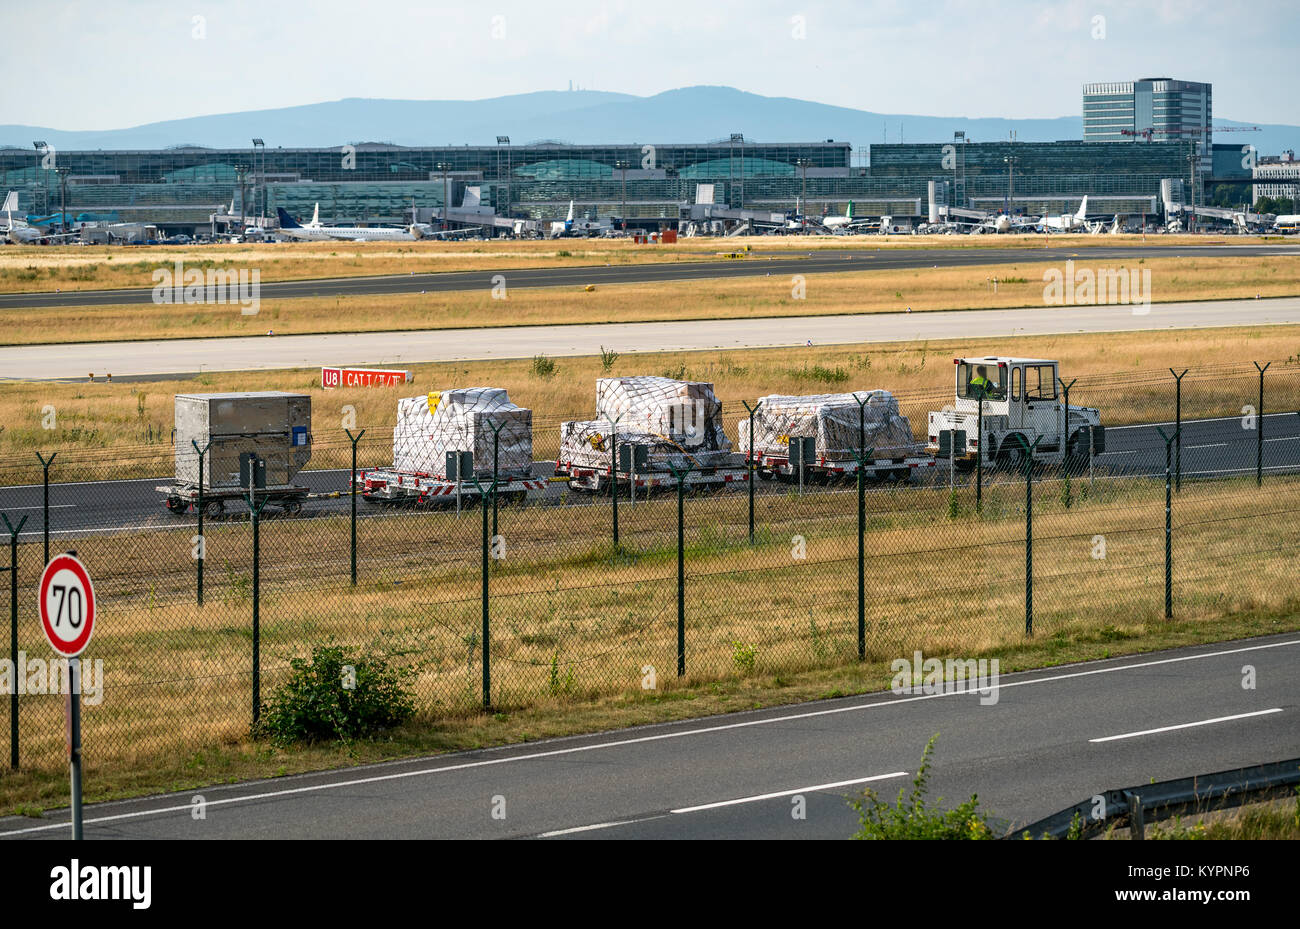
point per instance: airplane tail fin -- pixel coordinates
(286, 221)
(570, 216)
(849, 214)
(11, 201)
(315, 215)
(1083, 210)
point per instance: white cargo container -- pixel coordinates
(272, 426)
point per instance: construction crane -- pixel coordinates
(1196, 132)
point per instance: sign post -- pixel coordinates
(67, 602)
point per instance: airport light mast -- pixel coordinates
(1011, 161)
(505, 140)
(260, 179)
(444, 167)
(37, 179)
(63, 202)
(622, 166)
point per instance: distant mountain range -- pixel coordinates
(690, 114)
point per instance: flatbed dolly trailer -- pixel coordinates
(184, 498)
(830, 470)
(395, 487)
(601, 480)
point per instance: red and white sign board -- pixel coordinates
(67, 605)
(362, 377)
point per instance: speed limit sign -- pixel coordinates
(67, 605)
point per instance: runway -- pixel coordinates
(784, 261)
(190, 356)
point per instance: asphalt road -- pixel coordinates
(187, 356)
(759, 263)
(1211, 447)
(1052, 738)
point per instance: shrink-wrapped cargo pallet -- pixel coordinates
(680, 422)
(431, 425)
(833, 419)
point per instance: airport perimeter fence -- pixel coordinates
(528, 604)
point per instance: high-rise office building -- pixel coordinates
(1154, 109)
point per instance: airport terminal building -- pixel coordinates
(652, 185)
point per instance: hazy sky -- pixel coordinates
(108, 65)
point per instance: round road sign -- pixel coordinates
(67, 605)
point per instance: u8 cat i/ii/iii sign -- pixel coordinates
(67, 605)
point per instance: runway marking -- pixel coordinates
(788, 793)
(875, 704)
(1203, 722)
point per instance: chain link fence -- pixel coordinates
(1188, 513)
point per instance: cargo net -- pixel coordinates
(841, 428)
(465, 420)
(679, 422)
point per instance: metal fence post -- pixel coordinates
(1065, 436)
(255, 513)
(1169, 522)
(681, 568)
(979, 454)
(45, 505)
(203, 542)
(496, 467)
(352, 492)
(862, 554)
(1029, 532)
(486, 631)
(1178, 428)
(613, 473)
(13, 636)
(1259, 427)
(752, 470)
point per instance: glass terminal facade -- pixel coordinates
(649, 184)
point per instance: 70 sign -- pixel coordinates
(67, 602)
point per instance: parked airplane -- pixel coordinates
(316, 231)
(847, 221)
(1066, 222)
(18, 231)
(580, 227)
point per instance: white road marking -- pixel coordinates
(1132, 451)
(595, 826)
(640, 740)
(1284, 438)
(1210, 445)
(1203, 722)
(60, 506)
(1191, 422)
(789, 793)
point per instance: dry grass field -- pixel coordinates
(1018, 285)
(27, 268)
(124, 429)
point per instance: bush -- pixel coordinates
(908, 817)
(336, 694)
(543, 367)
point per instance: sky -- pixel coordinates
(112, 64)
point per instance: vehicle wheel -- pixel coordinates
(213, 509)
(763, 474)
(1011, 457)
(292, 507)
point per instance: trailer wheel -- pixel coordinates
(292, 507)
(213, 509)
